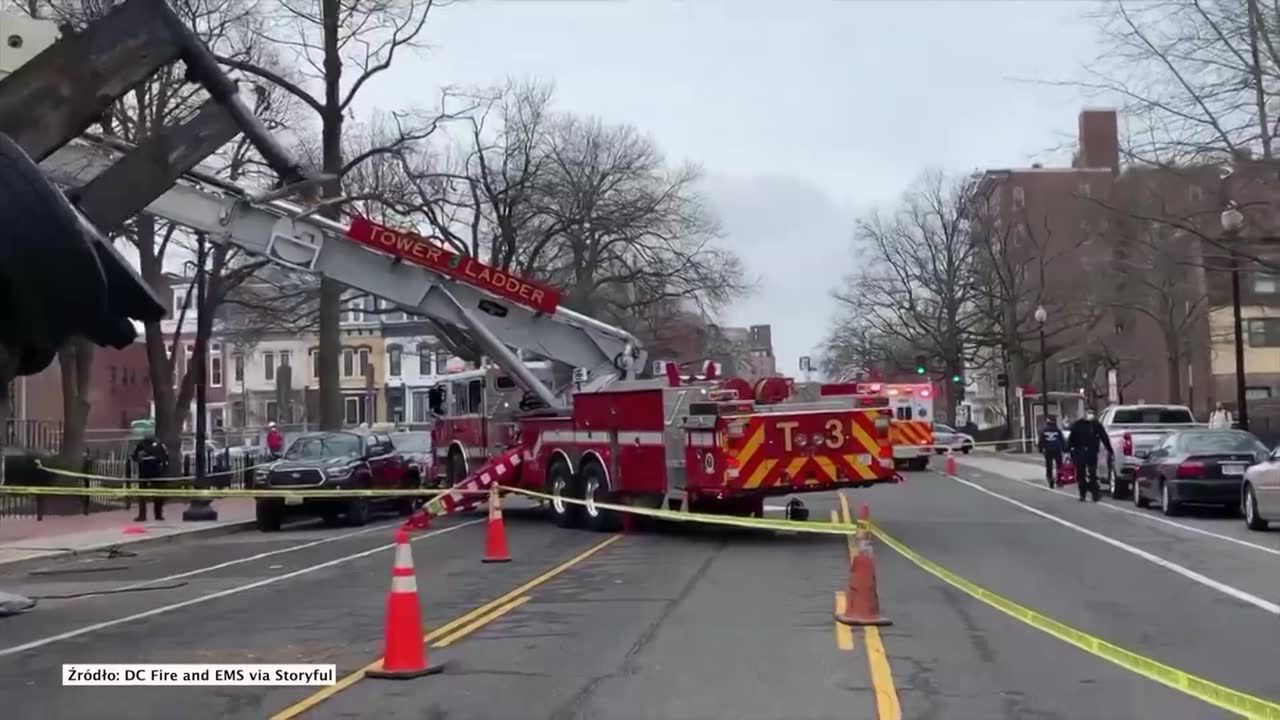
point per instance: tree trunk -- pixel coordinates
(76, 363)
(1174, 359)
(330, 341)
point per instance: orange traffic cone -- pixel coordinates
(864, 599)
(404, 654)
(950, 465)
(495, 544)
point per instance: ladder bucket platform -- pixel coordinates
(502, 469)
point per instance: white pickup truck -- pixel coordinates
(1134, 430)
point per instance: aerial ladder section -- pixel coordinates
(100, 171)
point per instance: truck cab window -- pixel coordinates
(459, 401)
(437, 398)
(475, 397)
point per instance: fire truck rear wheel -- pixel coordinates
(595, 489)
(457, 470)
(561, 483)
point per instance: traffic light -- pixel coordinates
(955, 378)
(920, 364)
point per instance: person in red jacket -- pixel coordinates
(275, 440)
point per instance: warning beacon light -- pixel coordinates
(925, 392)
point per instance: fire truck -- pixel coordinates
(911, 430)
(619, 430)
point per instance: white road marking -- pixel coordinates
(259, 556)
(1188, 573)
(1148, 516)
(220, 594)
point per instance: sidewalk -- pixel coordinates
(26, 538)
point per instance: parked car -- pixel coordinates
(415, 450)
(946, 438)
(1197, 467)
(336, 461)
(1260, 496)
(1134, 430)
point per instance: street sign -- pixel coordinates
(806, 364)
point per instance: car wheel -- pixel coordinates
(561, 486)
(358, 511)
(1119, 488)
(1252, 519)
(966, 449)
(595, 489)
(1138, 500)
(267, 515)
(1168, 505)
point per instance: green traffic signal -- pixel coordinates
(919, 370)
(955, 378)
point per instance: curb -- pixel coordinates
(59, 555)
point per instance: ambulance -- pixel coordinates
(911, 429)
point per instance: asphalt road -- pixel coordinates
(682, 622)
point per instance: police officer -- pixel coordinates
(1087, 436)
(152, 459)
(1051, 445)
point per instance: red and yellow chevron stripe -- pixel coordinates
(911, 432)
(763, 462)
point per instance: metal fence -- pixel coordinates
(110, 470)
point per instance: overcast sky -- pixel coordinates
(804, 114)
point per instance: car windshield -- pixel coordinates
(412, 442)
(1222, 442)
(324, 446)
(939, 427)
(1151, 416)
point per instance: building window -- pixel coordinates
(1083, 190)
(1019, 198)
(348, 363)
(215, 369)
(111, 372)
(1263, 332)
(237, 413)
(364, 362)
(272, 411)
(421, 406)
(442, 362)
(424, 359)
(353, 410)
(315, 363)
(1257, 393)
(1195, 193)
(1266, 284)
(269, 366)
(237, 366)
(393, 361)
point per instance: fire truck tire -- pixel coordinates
(595, 489)
(457, 470)
(561, 483)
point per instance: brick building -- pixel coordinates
(1130, 264)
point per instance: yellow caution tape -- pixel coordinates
(166, 479)
(1210, 692)
(805, 526)
(222, 493)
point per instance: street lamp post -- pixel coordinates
(1042, 316)
(1232, 222)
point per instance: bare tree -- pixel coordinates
(917, 283)
(338, 48)
(1198, 77)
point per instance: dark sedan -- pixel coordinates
(1197, 467)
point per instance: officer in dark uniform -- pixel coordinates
(153, 460)
(1052, 445)
(1087, 436)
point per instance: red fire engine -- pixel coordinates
(620, 430)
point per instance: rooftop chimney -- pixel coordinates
(1099, 140)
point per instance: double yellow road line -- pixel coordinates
(452, 631)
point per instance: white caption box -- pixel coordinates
(198, 674)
